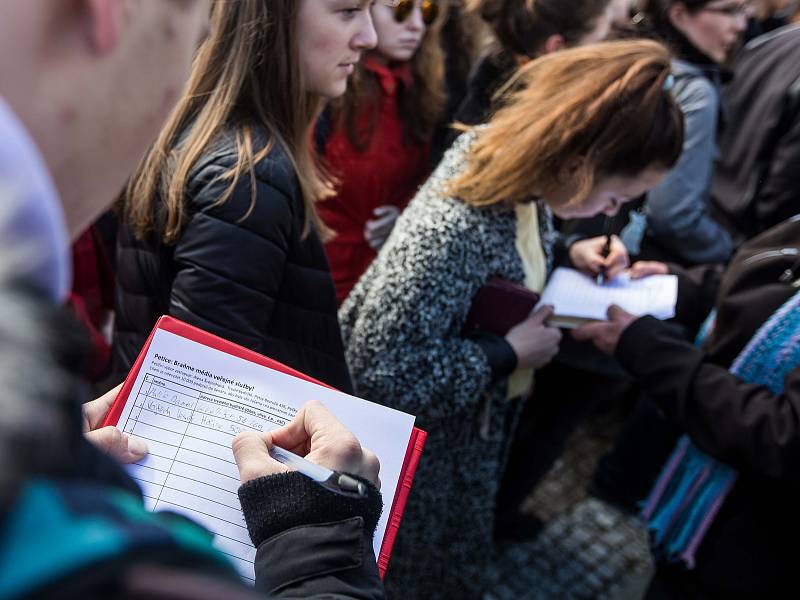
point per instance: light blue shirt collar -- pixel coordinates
(34, 240)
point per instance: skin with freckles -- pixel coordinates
(61, 64)
(63, 61)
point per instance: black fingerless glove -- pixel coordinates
(275, 503)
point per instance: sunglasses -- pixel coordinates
(404, 8)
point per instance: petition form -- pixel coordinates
(189, 401)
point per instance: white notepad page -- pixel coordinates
(189, 401)
(574, 294)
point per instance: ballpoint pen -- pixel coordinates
(339, 483)
(600, 279)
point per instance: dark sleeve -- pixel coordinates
(501, 356)
(697, 292)
(562, 245)
(742, 424)
(311, 543)
(777, 196)
(230, 259)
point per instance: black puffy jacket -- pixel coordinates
(246, 275)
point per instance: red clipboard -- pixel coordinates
(177, 327)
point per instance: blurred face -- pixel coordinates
(600, 29)
(607, 196)
(156, 58)
(715, 28)
(332, 34)
(397, 41)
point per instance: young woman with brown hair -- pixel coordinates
(586, 130)
(378, 150)
(221, 226)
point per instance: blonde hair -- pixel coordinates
(606, 105)
(245, 77)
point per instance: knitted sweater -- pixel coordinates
(402, 327)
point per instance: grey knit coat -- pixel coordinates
(401, 326)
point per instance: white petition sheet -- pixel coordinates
(189, 401)
(574, 294)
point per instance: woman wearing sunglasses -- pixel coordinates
(585, 129)
(222, 230)
(381, 133)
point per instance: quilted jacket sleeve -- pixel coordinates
(230, 259)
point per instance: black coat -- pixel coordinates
(750, 549)
(246, 275)
(757, 177)
(492, 72)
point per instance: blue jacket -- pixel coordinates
(677, 210)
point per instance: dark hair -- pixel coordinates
(523, 26)
(652, 20)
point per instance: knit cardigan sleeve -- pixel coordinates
(402, 322)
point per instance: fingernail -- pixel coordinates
(137, 446)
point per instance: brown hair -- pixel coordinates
(652, 20)
(421, 106)
(245, 76)
(523, 26)
(605, 104)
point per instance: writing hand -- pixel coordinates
(121, 446)
(587, 256)
(314, 434)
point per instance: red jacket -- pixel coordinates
(92, 296)
(388, 171)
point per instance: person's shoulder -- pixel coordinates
(788, 35)
(694, 90)
(274, 172)
(275, 202)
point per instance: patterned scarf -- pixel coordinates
(692, 486)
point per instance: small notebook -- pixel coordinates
(578, 299)
(498, 306)
(190, 392)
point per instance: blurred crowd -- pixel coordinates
(330, 183)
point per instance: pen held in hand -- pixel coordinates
(600, 279)
(339, 483)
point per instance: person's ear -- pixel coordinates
(554, 43)
(677, 14)
(104, 22)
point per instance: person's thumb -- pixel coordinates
(251, 453)
(616, 312)
(120, 446)
(543, 313)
